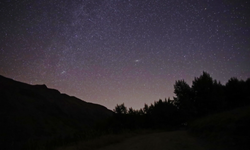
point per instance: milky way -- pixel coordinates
(123, 51)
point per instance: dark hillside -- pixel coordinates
(37, 113)
(226, 130)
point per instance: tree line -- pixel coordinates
(204, 97)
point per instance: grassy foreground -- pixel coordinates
(227, 130)
(223, 131)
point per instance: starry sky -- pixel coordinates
(123, 51)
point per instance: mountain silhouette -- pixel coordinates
(35, 112)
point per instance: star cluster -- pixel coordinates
(123, 51)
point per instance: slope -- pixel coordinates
(37, 113)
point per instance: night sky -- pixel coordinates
(123, 51)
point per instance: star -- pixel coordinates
(137, 60)
(132, 52)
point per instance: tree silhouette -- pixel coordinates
(237, 93)
(120, 109)
(203, 88)
(184, 99)
(145, 109)
(162, 114)
(247, 91)
(204, 97)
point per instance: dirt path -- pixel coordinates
(176, 140)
